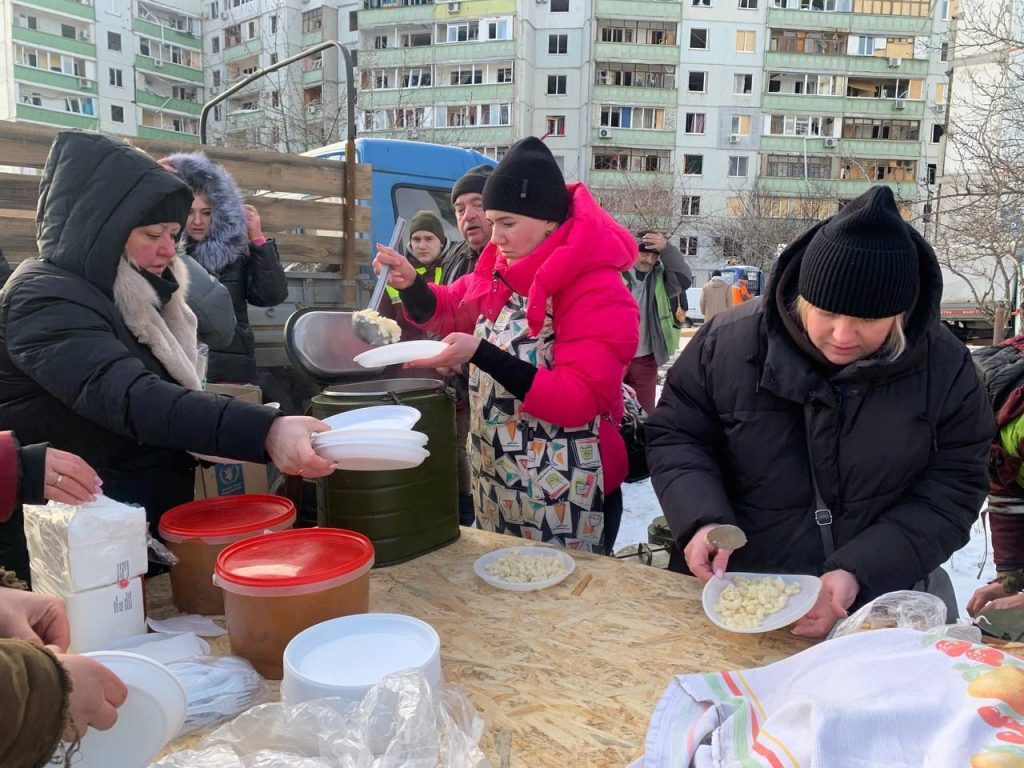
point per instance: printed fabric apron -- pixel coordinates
(531, 478)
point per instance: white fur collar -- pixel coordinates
(169, 333)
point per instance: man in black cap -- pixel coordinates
(834, 420)
(467, 200)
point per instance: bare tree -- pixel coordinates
(645, 201)
(979, 237)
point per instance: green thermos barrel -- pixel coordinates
(404, 512)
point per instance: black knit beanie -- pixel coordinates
(425, 220)
(471, 181)
(172, 207)
(528, 181)
(862, 262)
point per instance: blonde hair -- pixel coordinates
(895, 343)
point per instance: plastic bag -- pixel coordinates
(216, 688)
(401, 723)
(905, 608)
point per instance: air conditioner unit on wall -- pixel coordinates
(899, 105)
(84, 82)
(158, 63)
(604, 133)
(831, 141)
(453, 7)
(734, 138)
(84, 35)
(895, 61)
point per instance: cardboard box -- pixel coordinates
(232, 479)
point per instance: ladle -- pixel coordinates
(365, 328)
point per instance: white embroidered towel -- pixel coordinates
(897, 698)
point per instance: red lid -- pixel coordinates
(294, 558)
(226, 516)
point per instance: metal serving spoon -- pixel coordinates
(366, 329)
(726, 537)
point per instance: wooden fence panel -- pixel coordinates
(260, 176)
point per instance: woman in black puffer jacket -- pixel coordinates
(225, 236)
(842, 366)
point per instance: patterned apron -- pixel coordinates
(531, 478)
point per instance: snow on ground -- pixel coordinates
(640, 507)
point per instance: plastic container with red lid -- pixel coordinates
(279, 584)
(197, 532)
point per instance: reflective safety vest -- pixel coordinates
(393, 292)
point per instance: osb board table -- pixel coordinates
(565, 677)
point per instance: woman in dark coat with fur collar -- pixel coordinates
(841, 374)
(98, 346)
(225, 236)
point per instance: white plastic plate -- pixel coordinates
(364, 457)
(480, 568)
(150, 717)
(375, 417)
(402, 352)
(370, 436)
(796, 607)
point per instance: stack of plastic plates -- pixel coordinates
(378, 437)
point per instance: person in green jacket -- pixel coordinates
(426, 250)
(656, 291)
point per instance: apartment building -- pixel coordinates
(677, 110)
(296, 108)
(123, 66)
(145, 68)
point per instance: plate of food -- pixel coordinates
(524, 569)
(758, 602)
(402, 352)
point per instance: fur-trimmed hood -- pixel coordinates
(169, 332)
(228, 239)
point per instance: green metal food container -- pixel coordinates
(405, 512)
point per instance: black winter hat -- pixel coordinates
(528, 181)
(425, 220)
(471, 181)
(862, 262)
(172, 207)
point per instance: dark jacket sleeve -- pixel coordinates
(419, 301)
(72, 351)
(513, 374)
(34, 690)
(684, 442)
(933, 518)
(265, 282)
(210, 300)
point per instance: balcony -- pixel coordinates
(844, 147)
(167, 103)
(60, 118)
(636, 52)
(864, 65)
(443, 53)
(866, 23)
(839, 188)
(53, 79)
(651, 10)
(169, 70)
(634, 137)
(57, 42)
(797, 104)
(240, 51)
(608, 179)
(167, 34)
(309, 39)
(249, 118)
(483, 93)
(149, 132)
(69, 7)
(397, 15)
(631, 94)
(313, 76)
